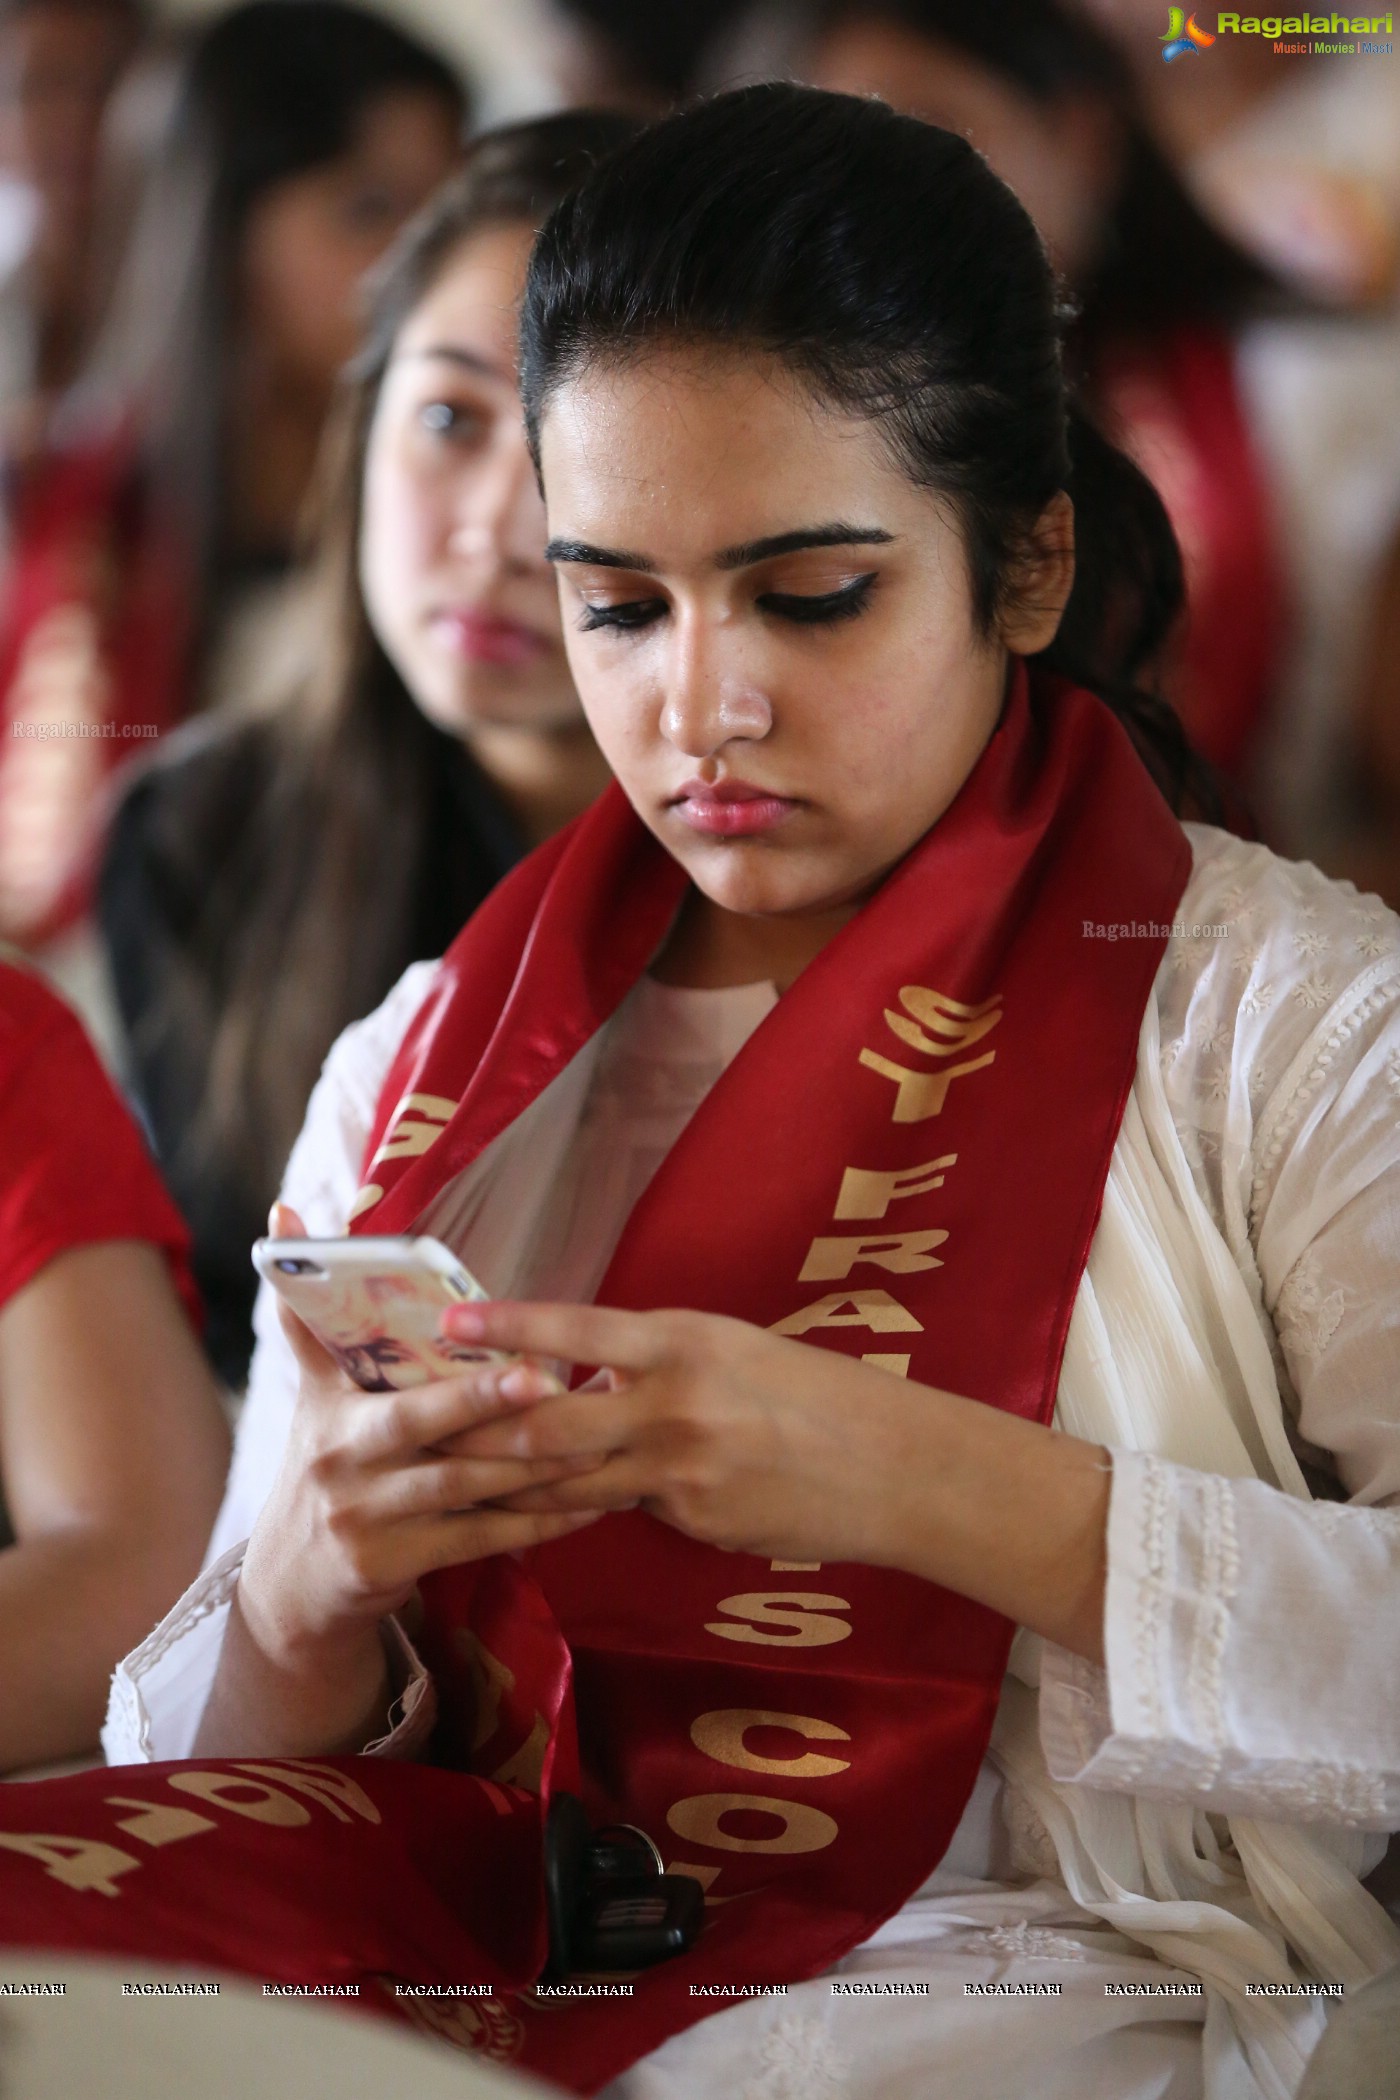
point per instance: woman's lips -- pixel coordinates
(484, 638)
(730, 809)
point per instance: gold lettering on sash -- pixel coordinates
(866, 1192)
(721, 1736)
(802, 1615)
(876, 1310)
(490, 1680)
(223, 1789)
(418, 1123)
(948, 1025)
(79, 1863)
(525, 1766)
(899, 1252)
(159, 1823)
(699, 1819)
(369, 1195)
(921, 1094)
(323, 1784)
(897, 1366)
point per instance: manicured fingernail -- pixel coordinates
(463, 1323)
(524, 1382)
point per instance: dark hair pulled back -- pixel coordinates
(884, 264)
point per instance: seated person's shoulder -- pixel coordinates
(207, 766)
(1251, 897)
(184, 816)
(30, 1012)
(1270, 960)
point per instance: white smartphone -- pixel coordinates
(376, 1303)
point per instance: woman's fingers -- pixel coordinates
(383, 1426)
(575, 1425)
(454, 1486)
(314, 1359)
(619, 1483)
(577, 1334)
(483, 1532)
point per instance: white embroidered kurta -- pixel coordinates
(1240, 1306)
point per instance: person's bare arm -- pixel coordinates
(113, 1451)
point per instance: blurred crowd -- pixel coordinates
(282, 684)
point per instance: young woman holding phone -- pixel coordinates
(977, 1186)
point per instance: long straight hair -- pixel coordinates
(267, 91)
(308, 923)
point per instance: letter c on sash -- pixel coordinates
(699, 1821)
(783, 1619)
(721, 1736)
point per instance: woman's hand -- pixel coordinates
(765, 1445)
(729, 1433)
(373, 1493)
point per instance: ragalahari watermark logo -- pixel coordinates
(1318, 32)
(1184, 33)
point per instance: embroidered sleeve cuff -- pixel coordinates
(1239, 1672)
(160, 1690)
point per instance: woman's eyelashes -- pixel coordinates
(622, 619)
(809, 610)
(801, 608)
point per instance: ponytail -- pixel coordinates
(1128, 601)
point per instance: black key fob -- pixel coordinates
(631, 1923)
(610, 1907)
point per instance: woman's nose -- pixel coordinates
(709, 701)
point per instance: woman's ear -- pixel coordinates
(1038, 591)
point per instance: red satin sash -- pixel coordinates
(904, 1163)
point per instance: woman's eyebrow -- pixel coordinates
(744, 556)
(469, 360)
(837, 535)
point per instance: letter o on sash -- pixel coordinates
(700, 1820)
(721, 1736)
(224, 1789)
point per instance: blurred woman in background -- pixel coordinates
(59, 63)
(268, 879)
(301, 136)
(1048, 100)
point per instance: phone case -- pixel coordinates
(376, 1303)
